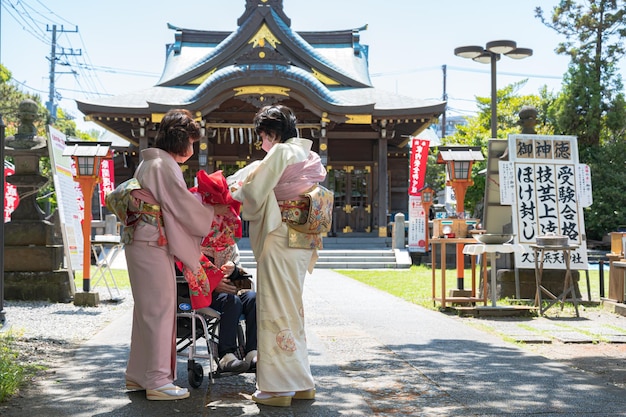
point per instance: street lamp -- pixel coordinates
(459, 161)
(490, 54)
(87, 157)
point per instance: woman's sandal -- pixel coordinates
(272, 400)
(133, 386)
(308, 394)
(167, 392)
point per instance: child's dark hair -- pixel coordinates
(175, 131)
(276, 119)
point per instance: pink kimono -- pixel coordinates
(152, 360)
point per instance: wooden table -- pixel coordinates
(480, 249)
(442, 242)
(568, 284)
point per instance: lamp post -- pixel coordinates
(490, 54)
(459, 161)
(87, 157)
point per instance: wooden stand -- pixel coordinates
(568, 285)
(442, 242)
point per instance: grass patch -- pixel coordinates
(415, 284)
(120, 275)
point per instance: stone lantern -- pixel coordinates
(33, 243)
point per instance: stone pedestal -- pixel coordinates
(86, 299)
(553, 280)
(33, 251)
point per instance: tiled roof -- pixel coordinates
(329, 67)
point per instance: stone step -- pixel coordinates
(348, 259)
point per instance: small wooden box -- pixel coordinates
(459, 227)
(617, 247)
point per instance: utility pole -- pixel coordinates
(445, 98)
(52, 108)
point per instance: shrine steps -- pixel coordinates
(347, 253)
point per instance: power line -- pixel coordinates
(463, 69)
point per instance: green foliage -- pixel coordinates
(608, 174)
(592, 103)
(11, 98)
(5, 74)
(477, 132)
(12, 373)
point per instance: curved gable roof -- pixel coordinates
(265, 38)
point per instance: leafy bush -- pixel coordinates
(11, 371)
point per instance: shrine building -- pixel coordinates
(361, 132)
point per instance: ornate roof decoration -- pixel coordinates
(262, 61)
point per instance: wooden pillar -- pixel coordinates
(381, 203)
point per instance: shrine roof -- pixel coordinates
(203, 67)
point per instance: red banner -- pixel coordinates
(419, 158)
(107, 179)
(11, 199)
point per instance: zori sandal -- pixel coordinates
(166, 393)
(133, 386)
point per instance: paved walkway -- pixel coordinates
(372, 354)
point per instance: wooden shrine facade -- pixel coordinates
(360, 132)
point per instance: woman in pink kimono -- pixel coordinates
(268, 191)
(170, 224)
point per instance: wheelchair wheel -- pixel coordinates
(195, 373)
(241, 340)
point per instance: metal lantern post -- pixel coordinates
(87, 157)
(490, 54)
(459, 161)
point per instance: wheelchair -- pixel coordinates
(194, 325)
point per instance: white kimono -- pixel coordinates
(283, 363)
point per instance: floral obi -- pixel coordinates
(297, 212)
(294, 211)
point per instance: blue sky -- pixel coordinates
(122, 43)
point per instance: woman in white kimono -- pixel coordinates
(268, 191)
(169, 223)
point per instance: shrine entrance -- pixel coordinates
(352, 186)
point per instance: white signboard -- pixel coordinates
(69, 200)
(547, 197)
(417, 225)
(507, 182)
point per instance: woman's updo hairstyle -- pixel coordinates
(276, 119)
(176, 130)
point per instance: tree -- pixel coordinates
(11, 98)
(477, 132)
(592, 104)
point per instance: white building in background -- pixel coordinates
(452, 122)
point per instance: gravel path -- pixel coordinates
(46, 332)
(65, 322)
